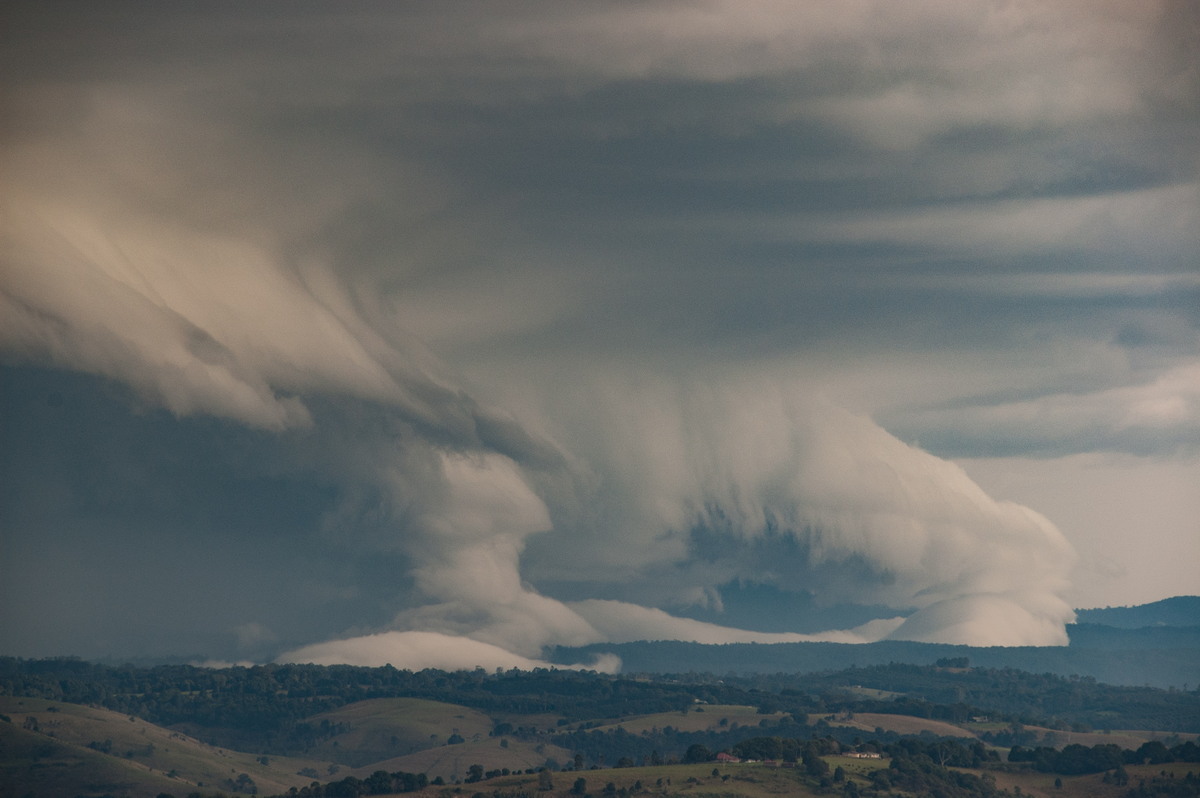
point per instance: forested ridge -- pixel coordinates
(267, 700)
(1030, 697)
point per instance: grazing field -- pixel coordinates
(1130, 739)
(452, 761)
(714, 717)
(901, 724)
(871, 692)
(386, 728)
(1041, 785)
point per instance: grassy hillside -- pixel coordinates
(1130, 739)
(707, 718)
(452, 761)
(386, 728)
(901, 724)
(128, 748)
(33, 765)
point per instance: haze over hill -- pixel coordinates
(1163, 651)
(1175, 611)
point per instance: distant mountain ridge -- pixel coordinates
(1155, 644)
(1175, 611)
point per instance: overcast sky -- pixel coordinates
(439, 333)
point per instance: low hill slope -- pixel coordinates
(901, 724)
(142, 749)
(453, 761)
(32, 764)
(385, 728)
(714, 717)
(1177, 611)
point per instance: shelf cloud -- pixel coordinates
(444, 335)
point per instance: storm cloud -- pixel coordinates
(571, 321)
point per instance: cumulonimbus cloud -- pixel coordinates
(668, 466)
(753, 479)
(658, 487)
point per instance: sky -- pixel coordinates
(440, 334)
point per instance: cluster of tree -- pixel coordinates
(1072, 760)
(378, 783)
(918, 766)
(945, 752)
(921, 775)
(785, 749)
(1075, 759)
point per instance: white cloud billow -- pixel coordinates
(795, 493)
(620, 622)
(419, 650)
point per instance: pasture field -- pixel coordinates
(901, 724)
(385, 728)
(711, 717)
(452, 761)
(1131, 739)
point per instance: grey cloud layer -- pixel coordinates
(548, 293)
